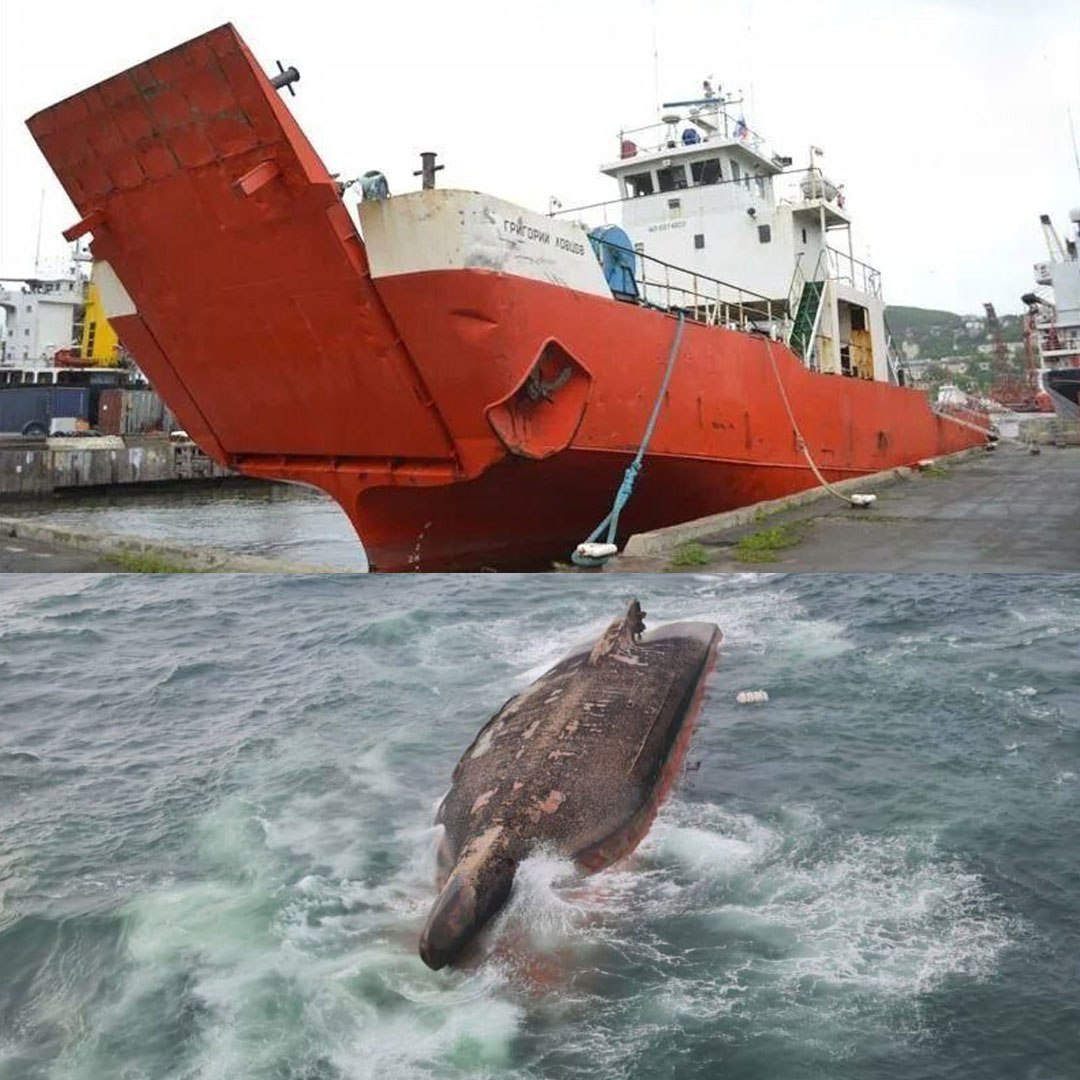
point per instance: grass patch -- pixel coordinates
(692, 554)
(141, 562)
(762, 546)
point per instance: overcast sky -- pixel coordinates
(946, 119)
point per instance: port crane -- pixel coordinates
(1053, 242)
(1019, 392)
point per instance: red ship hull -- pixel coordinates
(462, 417)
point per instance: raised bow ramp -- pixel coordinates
(240, 282)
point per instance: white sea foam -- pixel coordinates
(540, 907)
(884, 914)
(790, 925)
(334, 953)
(800, 922)
(709, 841)
(471, 1033)
(370, 768)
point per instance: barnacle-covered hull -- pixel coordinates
(578, 763)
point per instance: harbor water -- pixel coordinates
(217, 852)
(275, 521)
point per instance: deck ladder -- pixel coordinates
(807, 315)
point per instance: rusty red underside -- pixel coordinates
(408, 399)
(626, 840)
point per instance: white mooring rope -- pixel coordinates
(861, 500)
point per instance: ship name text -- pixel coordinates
(521, 230)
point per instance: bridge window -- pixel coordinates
(640, 184)
(699, 240)
(764, 234)
(706, 172)
(673, 178)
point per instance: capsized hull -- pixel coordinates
(476, 415)
(578, 763)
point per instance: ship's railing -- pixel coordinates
(764, 188)
(848, 270)
(1057, 341)
(699, 297)
(798, 281)
(668, 136)
(798, 186)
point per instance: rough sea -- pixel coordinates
(217, 852)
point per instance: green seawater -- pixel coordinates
(217, 851)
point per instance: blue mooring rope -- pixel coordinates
(626, 488)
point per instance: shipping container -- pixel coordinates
(28, 410)
(131, 412)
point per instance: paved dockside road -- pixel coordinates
(1002, 512)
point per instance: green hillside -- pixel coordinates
(937, 347)
(941, 334)
(915, 319)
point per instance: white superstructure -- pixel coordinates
(1057, 315)
(40, 317)
(702, 195)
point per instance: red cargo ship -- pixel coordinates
(471, 380)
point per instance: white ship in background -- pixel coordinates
(1052, 319)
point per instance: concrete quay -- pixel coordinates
(32, 467)
(1006, 511)
(27, 546)
(28, 555)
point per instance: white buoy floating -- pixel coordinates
(863, 501)
(752, 697)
